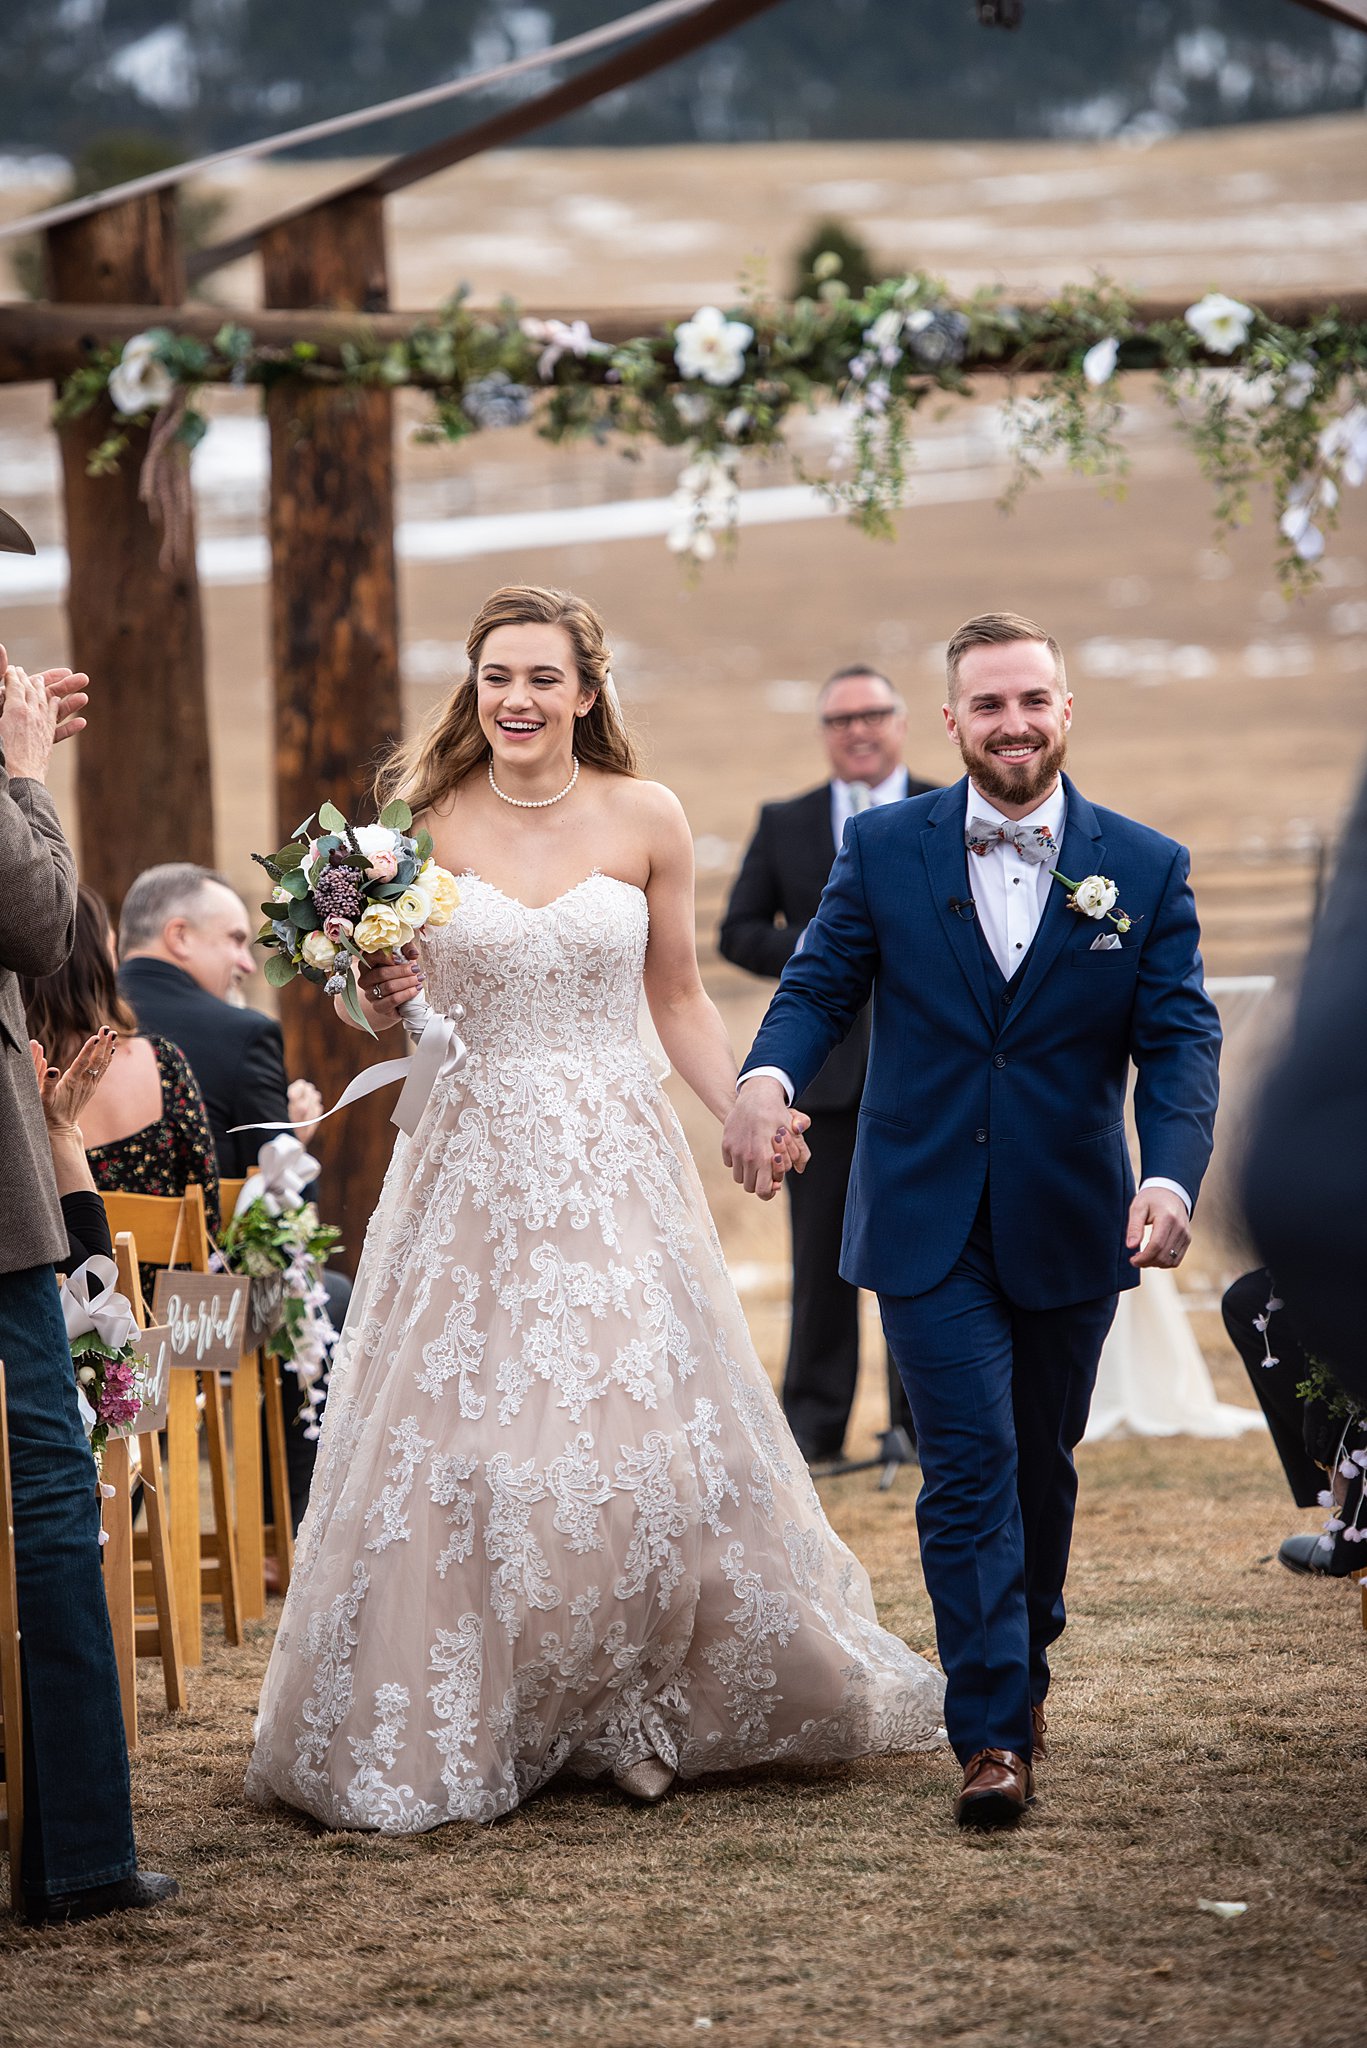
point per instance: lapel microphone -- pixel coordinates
(964, 907)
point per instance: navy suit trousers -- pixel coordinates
(1000, 1397)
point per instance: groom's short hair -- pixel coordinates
(998, 629)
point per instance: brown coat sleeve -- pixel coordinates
(37, 929)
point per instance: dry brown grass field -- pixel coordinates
(1211, 1737)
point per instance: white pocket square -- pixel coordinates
(1107, 942)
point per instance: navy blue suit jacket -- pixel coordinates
(1027, 1095)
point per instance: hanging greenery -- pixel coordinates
(1264, 404)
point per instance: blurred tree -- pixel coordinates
(113, 159)
(853, 263)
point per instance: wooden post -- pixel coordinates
(142, 773)
(335, 639)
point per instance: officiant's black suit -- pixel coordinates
(776, 894)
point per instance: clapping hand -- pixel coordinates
(65, 1095)
(305, 1107)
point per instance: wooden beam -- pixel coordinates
(135, 626)
(1352, 13)
(677, 39)
(334, 639)
(43, 340)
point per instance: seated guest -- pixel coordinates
(1307, 1435)
(185, 947)
(144, 1125)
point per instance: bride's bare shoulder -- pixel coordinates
(653, 811)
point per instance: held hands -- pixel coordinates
(386, 982)
(762, 1139)
(1164, 1215)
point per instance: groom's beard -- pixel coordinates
(1015, 782)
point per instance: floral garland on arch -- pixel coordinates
(1263, 403)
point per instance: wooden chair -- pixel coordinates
(11, 1685)
(276, 1537)
(153, 1633)
(170, 1230)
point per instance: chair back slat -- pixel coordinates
(171, 1230)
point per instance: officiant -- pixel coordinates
(863, 727)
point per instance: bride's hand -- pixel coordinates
(791, 1150)
(386, 982)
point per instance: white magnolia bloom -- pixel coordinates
(1098, 365)
(1297, 385)
(140, 382)
(1299, 528)
(1344, 445)
(1221, 322)
(712, 347)
(318, 949)
(885, 334)
(1094, 895)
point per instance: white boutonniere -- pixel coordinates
(1095, 896)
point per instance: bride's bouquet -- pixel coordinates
(349, 890)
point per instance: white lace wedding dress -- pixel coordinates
(558, 1521)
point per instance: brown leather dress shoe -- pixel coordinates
(998, 1786)
(1040, 1729)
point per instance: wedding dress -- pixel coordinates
(558, 1521)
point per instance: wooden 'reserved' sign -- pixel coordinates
(205, 1316)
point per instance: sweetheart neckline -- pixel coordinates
(535, 909)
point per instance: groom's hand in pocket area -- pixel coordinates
(760, 1138)
(1164, 1215)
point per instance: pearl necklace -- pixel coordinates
(533, 803)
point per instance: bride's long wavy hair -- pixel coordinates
(425, 769)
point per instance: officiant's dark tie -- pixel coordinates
(1035, 843)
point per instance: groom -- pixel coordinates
(991, 1205)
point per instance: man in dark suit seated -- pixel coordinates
(864, 729)
(185, 947)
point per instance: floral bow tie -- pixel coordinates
(1034, 843)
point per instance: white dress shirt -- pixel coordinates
(1009, 890)
(1010, 894)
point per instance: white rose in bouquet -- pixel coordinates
(414, 906)
(440, 885)
(1094, 896)
(381, 930)
(318, 950)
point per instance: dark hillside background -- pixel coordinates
(203, 74)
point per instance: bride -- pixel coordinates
(558, 1522)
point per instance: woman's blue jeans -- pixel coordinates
(78, 1824)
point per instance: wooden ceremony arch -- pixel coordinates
(115, 266)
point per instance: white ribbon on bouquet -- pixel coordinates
(438, 1053)
(283, 1171)
(93, 1307)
